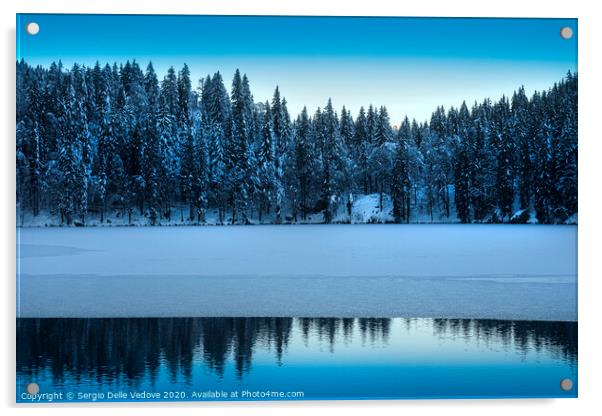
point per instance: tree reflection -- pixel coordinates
(110, 350)
(559, 338)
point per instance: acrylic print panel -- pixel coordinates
(295, 208)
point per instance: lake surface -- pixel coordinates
(213, 313)
(309, 358)
(526, 272)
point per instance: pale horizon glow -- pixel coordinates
(411, 76)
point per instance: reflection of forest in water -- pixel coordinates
(137, 347)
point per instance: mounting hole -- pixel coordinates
(32, 28)
(566, 384)
(33, 388)
(566, 32)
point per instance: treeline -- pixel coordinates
(106, 139)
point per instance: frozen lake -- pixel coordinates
(522, 272)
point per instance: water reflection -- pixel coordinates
(141, 351)
(557, 338)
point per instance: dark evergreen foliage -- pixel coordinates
(114, 140)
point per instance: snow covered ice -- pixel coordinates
(439, 271)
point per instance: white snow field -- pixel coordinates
(437, 271)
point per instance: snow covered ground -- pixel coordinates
(366, 209)
(446, 271)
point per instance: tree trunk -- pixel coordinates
(447, 201)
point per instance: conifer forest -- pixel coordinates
(119, 144)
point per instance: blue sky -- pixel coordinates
(411, 65)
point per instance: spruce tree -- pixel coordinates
(266, 164)
(520, 130)
(304, 156)
(401, 186)
(504, 150)
(464, 136)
